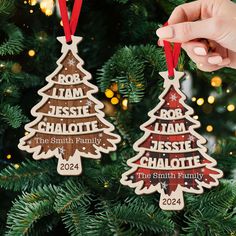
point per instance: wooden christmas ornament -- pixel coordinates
(69, 121)
(171, 157)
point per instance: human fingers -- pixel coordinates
(221, 30)
(186, 12)
(207, 61)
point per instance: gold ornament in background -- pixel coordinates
(231, 107)
(216, 82)
(32, 2)
(31, 53)
(47, 7)
(109, 93)
(200, 101)
(109, 109)
(125, 104)
(114, 101)
(209, 128)
(16, 68)
(211, 99)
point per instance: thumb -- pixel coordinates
(221, 30)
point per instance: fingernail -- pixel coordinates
(200, 51)
(165, 33)
(215, 60)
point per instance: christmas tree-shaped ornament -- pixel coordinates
(69, 122)
(171, 157)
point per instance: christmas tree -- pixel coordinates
(120, 51)
(69, 122)
(171, 157)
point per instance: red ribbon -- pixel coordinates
(172, 55)
(70, 26)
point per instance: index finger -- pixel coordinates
(186, 12)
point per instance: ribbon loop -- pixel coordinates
(70, 25)
(172, 55)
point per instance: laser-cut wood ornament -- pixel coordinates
(69, 121)
(171, 157)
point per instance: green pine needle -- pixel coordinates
(71, 195)
(14, 43)
(29, 208)
(76, 221)
(29, 175)
(12, 115)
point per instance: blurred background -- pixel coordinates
(120, 51)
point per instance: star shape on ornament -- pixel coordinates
(89, 103)
(71, 62)
(164, 185)
(61, 150)
(191, 138)
(173, 97)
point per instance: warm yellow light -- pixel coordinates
(31, 11)
(25, 2)
(200, 101)
(26, 133)
(194, 99)
(125, 104)
(109, 93)
(47, 6)
(114, 100)
(195, 117)
(228, 91)
(216, 81)
(211, 99)
(9, 156)
(230, 107)
(48, 12)
(106, 184)
(209, 128)
(17, 166)
(32, 2)
(61, 23)
(31, 53)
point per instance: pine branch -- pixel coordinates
(29, 208)
(71, 195)
(218, 200)
(144, 217)
(14, 44)
(6, 7)
(133, 77)
(213, 212)
(128, 75)
(20, 79)
(29, 175)
(77, 221)
(12, 115)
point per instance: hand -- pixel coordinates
(207, 31)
